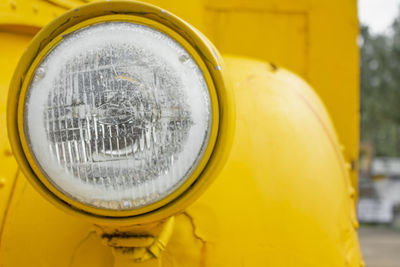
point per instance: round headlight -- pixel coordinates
(117, 115)
(119, 110)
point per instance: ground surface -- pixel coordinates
(380, 246)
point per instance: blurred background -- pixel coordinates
(379, 180)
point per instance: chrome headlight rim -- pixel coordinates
(197, 46)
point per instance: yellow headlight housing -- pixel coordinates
(136, 128)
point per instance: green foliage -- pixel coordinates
(380, 91)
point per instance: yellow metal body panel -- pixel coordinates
(285, 195)
(11, 51)
(31, 13)
(313, 38)
(282, 200)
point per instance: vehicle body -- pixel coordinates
(285, 170)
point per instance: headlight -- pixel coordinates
(119, 114)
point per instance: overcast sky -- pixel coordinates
(378, 14)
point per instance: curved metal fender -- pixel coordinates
(283, 199)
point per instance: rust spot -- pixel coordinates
(13, 5)
(110, 236)
(8, 153)
(273, 67)
(353, 165)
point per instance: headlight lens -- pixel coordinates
(117, 115)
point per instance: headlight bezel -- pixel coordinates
(192, 41)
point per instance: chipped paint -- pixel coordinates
(138, 245)
(273, 67)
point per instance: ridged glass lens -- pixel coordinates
(117, 115)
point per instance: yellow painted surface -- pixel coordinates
(10, 52)
(32, 13)
(282, 200)
(284, 197)
(313, 38)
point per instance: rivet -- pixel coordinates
(40, 73)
